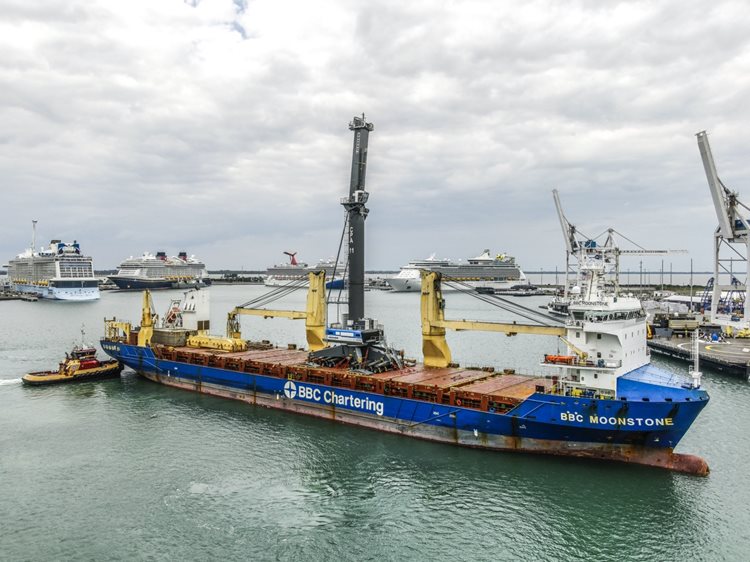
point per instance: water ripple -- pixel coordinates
(127, 469)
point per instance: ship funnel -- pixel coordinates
(292, 258)
(33, 236)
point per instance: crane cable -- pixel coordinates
(335, 266)
(504, 304)
(296, 284)
(275, 294)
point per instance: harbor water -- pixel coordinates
(126, 469)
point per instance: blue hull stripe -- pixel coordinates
(541, 416)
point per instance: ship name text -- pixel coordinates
(296, 390)
(616, 420)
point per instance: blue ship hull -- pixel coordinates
(336, 284)
(631, 429)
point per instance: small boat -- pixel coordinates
(80, 364)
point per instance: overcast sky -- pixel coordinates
(220, 127)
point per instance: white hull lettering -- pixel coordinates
(331, 397)
(631, 422)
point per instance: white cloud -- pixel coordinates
(220, 127)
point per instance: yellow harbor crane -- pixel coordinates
(434, 345)
(434, 324)
(314, 315)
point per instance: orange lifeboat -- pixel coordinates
(560, 359)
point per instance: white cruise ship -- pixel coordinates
(58, 272)
(158, 271)
(283, 274)
(481, 272)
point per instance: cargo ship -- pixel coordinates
(58, 272)
(158, 271)
(601, 399)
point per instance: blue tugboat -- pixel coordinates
(601, 400)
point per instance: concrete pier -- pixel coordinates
(730, 356)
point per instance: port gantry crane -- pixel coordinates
(732, 229)
(590, 255)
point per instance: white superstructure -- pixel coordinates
(606, 331)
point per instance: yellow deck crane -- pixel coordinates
(582, 355)
(434, 346)
(314, 315)
(146, 331)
